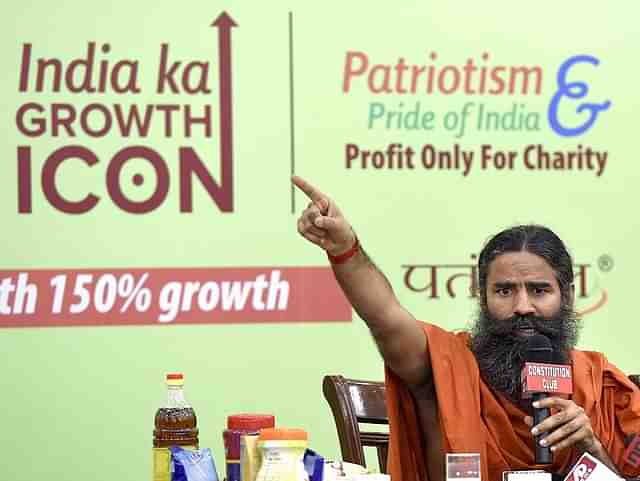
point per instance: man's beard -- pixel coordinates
(501, 353)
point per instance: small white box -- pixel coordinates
(531, 475)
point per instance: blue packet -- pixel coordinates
(313, 465)
(192, 465)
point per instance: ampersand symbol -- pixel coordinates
(574, 90)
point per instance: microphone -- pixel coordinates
(539, 350)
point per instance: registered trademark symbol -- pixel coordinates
(605, 263)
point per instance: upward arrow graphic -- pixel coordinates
(225, 23)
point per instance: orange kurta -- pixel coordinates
(473, 419)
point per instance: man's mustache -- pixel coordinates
(508, 327)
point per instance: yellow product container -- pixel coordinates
(282, 454)
(250, 457)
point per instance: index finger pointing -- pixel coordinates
(314, 194)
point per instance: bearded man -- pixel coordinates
(460, 392)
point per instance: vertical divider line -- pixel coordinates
(291, 115)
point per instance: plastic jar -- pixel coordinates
(282, 455)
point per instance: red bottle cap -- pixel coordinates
(250, 422)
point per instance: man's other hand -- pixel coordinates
(567, 427)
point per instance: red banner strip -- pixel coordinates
(43, 298)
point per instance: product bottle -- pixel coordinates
(175, 425)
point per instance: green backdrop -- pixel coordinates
(78, 402)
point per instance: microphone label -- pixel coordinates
(463, 467)
(590, 468)
(550, 378)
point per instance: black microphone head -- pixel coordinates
(539, 349)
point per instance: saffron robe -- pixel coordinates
(474, 419)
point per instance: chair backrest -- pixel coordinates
(353, 402)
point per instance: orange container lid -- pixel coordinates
(283, 434)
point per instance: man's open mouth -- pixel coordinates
(525, 331)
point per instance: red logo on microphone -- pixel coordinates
(541, 377)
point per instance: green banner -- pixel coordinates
(150, 221)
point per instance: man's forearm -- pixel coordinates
(401, 341)
(367, 289)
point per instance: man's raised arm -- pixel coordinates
(399, 337)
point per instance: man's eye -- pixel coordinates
(538, 291)
(504, 292)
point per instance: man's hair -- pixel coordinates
(536, 239)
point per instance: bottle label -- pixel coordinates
(161, 464)
(162, 468)
(283, 464)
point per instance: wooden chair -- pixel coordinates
(353, 402)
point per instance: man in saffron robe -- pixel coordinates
(460, 392)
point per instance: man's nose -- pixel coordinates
(523, 304)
